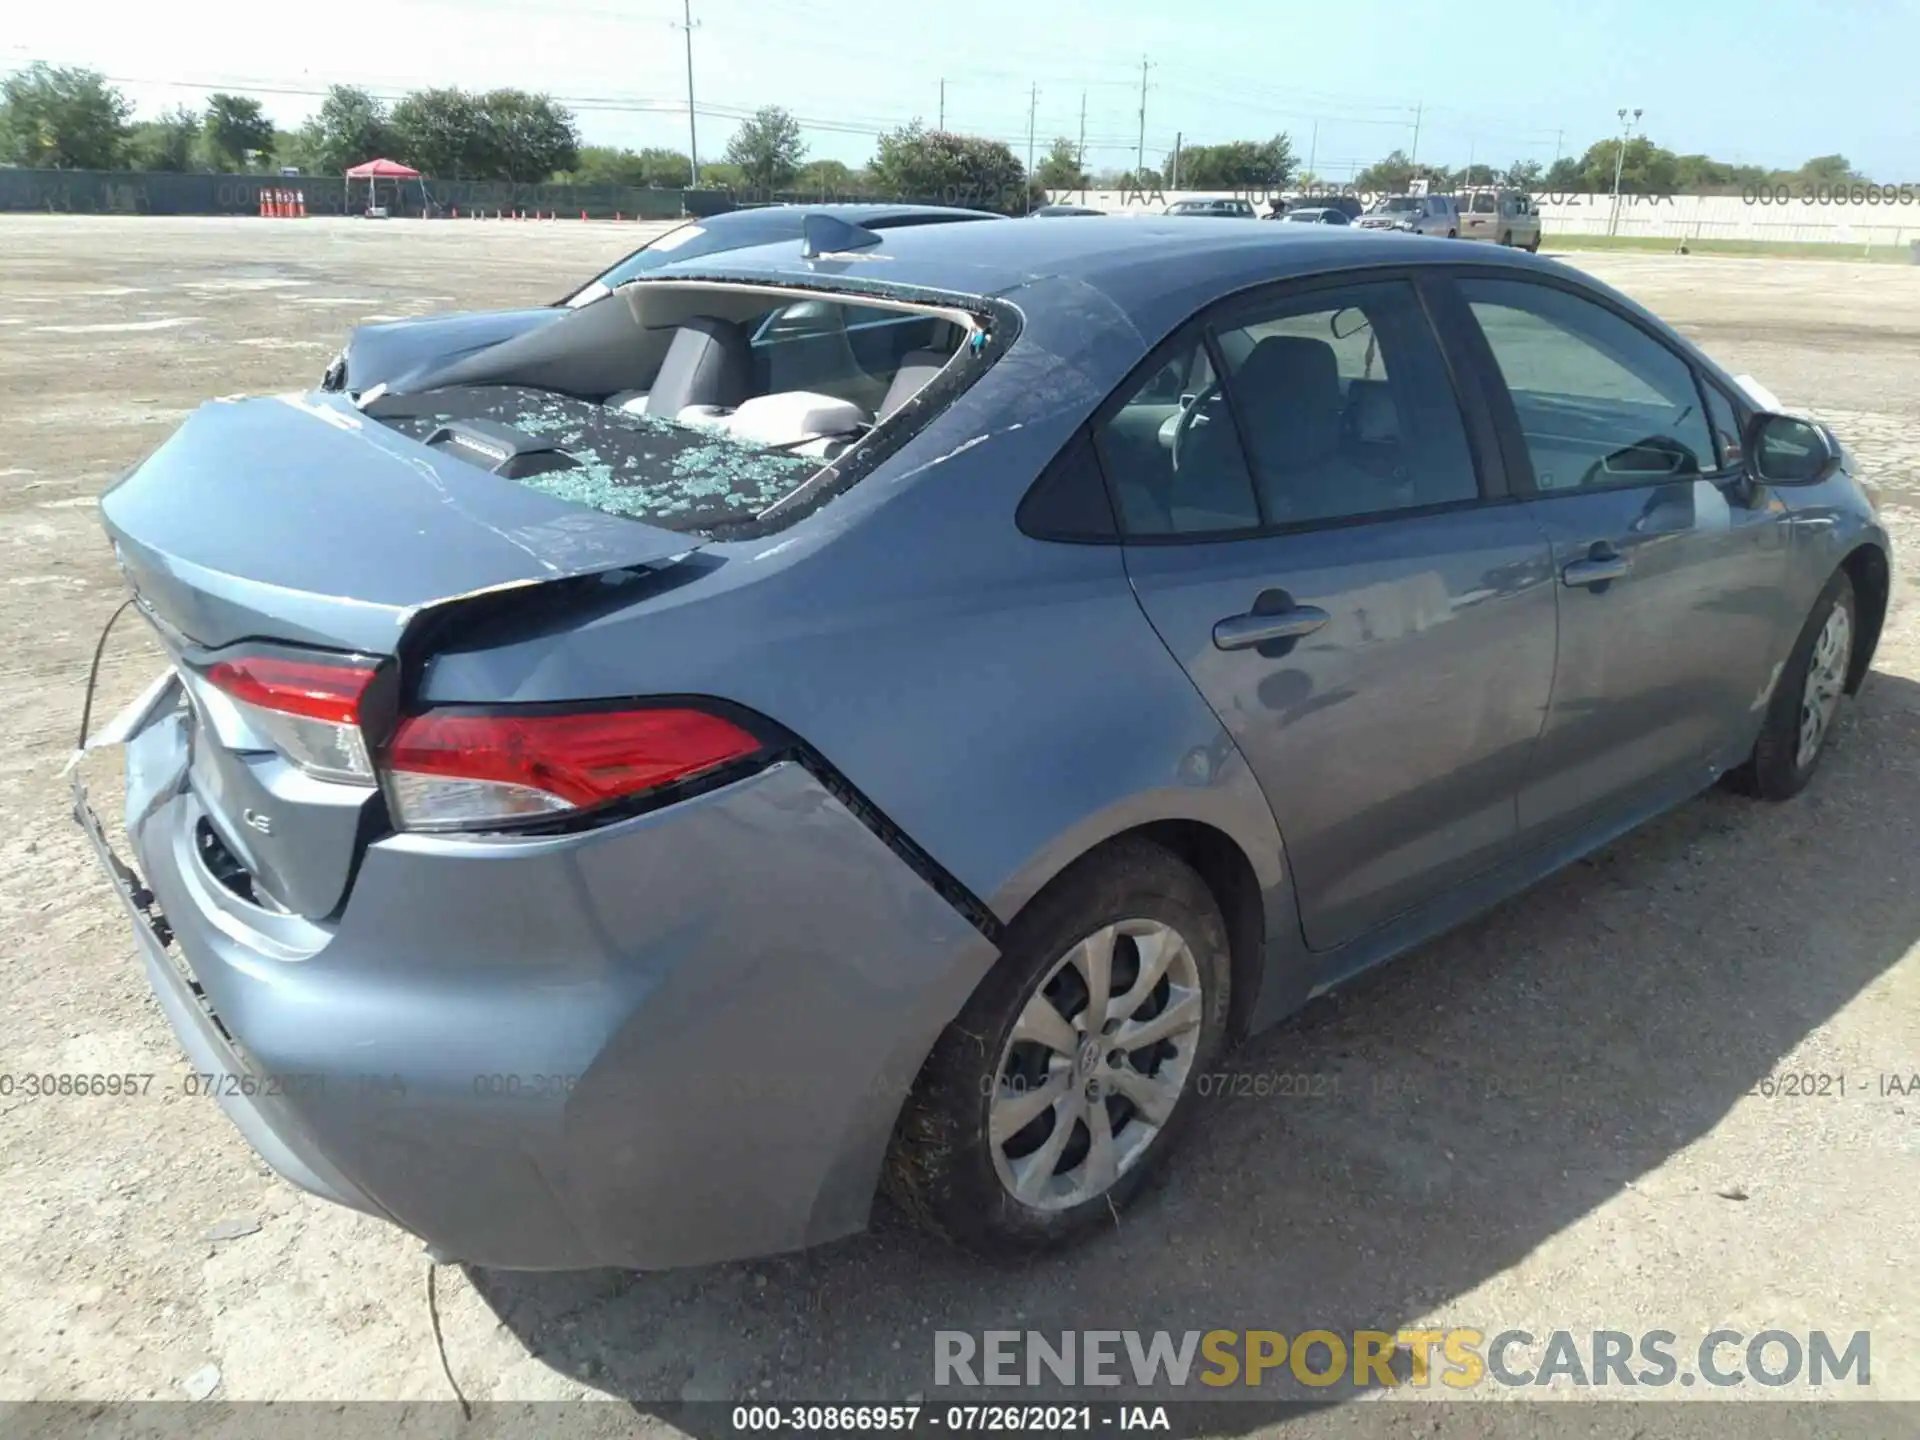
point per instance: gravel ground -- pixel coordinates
(1546, 1120)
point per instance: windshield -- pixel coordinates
(1398, 205)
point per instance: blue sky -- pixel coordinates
(1759, 81)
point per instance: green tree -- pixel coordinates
(62, 119)
(721, 175)
(165, 144)
(1238, 165)
(1148, 179)
(1828, 170)
(1522, 175)
(665, 169)
(237, 130)
(1647, 169)
(1059, 168)
(828, 177)
(914, 163)
(526, 138)
(768, 149)
(443, 133)
(350, 127)
(1563, 177)
(1396, 173)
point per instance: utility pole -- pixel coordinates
(1559, 138)
(1414, 154)
(1173, 180)
(1619, 163)
(1140, 155)
(1033, 104)
(941, 123)
(1080, 155)
(693, 139)
(1313, 147)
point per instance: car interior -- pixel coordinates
(1326, 423)
(801, 373)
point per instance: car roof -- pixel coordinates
(1151, 272)
(779, 217)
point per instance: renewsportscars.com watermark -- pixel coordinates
(1457, 1359)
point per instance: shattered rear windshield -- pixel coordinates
(641, 466)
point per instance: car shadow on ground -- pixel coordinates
(1464, 1105)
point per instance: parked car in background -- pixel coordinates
(1348, 205)
(621, 797)
(1225, 209)
(1314, 215)
(1506, 217)
(1421, 214)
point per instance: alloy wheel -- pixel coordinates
(1826, 678)
(1098, 1058)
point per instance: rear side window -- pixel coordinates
(1334, 405)
(1171, 454)
(1347, 406)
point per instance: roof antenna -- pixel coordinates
(824, 235)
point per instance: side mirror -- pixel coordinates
(1783, 450)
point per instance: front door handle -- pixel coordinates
(1243, 632)
(1603, 563)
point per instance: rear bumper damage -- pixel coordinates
(678, 1039)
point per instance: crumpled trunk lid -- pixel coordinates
(298, 519)
(294, 521)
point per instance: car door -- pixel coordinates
(1672, 562)
(1479, 217)
(1333, 561)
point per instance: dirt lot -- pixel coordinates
(1546, 1120)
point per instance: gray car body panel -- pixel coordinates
(621, 1060)
(728, 996)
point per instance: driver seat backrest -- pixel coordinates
(708, 362)
(1289, 395)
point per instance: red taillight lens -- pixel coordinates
(309, 710)
(316, 689)
(457, 770)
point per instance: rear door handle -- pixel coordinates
(1603, 563)
(1243, 632)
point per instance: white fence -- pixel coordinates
(1811, 218)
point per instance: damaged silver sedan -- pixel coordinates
(882, 713)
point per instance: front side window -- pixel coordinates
(1483, 205)
(1725, 418)
(1600, 402)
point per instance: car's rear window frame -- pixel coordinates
(994, 326)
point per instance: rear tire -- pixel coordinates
(1453, 234)
(1806, 703)
(1031, 1122)
(1533, 246)
(1506, 240)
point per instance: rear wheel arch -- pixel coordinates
(1228, 873)
(1866, 565)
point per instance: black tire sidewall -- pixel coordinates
(941, 1170)
(1777, 771)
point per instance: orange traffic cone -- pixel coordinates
(263, 204)
(279, 204)
(300, 203)
(583, 214)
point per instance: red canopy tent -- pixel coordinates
(373, 172)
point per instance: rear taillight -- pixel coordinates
(308, 709)
(466, 770)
